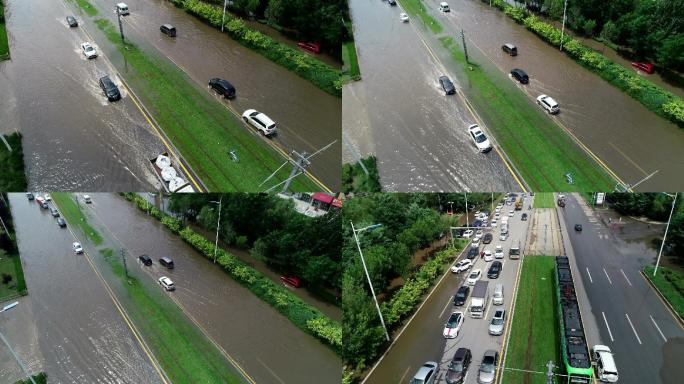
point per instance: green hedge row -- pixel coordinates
(304, 316)
(671, 284)
(320, 74)
(405, 300)
(650, 95)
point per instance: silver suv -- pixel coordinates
(497, 324)
(426, 374)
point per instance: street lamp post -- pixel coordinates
(466, 209)
(218, 224)
(14, 354)
(662, 245)
(223, 20)
(565, 7)
(370, 283)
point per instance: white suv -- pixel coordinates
(263, 123)
(548, 104)
(88, 51)
(167, 283)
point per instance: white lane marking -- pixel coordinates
(658, 328)
(405, 373)
(608, 277)
(590, 279)
(609, 332)
(634, 330)
(623, 274)
(445, 307)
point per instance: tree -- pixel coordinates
(610, 31)
(671, 52)
(589, 27)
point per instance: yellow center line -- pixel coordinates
(123, 313)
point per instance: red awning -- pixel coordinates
(323, 197)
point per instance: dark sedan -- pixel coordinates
(487, 238)
(447, 85)
(72, 21)
(222, 87)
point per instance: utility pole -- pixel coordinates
(370, 283)
(565, 7)
(465, 48)
(549, 373)
(466, 210)
(16, 357)
(118, 16)
(223, 20)
(218, 224)
(662, 245)
(123, 258)
(301, 162)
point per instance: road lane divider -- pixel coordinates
(589, 274)
(658, 328)
(633, 329)
(623, 274)
(607, 277)
(607, 326)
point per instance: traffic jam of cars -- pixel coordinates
(222, 87)
(479, 301)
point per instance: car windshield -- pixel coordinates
(480, 137)
(456, 366)
(417, 381)
(487, 365)
(497, 321)
(453, 321)
(473, 275)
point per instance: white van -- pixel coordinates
(498, 297)
(444, 7)
(122, 8)
(605, 364)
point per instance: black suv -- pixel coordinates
(458, 367)
(447, 85)
(523, 217)
(145, 259)
(487, 238)
(461, 295)
(578, 227)
(222, 87)
(520, 75)
(72, 21)
(61, 222)
(472, 253)
(110, 89)
(494, 270)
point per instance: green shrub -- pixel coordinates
(304, 65)
(304, 316)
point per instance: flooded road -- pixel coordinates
(73, 137)
(69, 323)
(418, 134)
(263, 342)
(307, 117)
(630, 139)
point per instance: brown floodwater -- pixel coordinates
(629, 138)
(399, 113)
(73, 137)
(265, 343)
(70, 325)
(307, 117)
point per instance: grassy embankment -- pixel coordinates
(203, 130)
(4, 43)
(10, 263)
(544, 200)
(670, 283)
(185, 354)
(12, 177)
(535, 335)
(40, 378)
(351, 70)
(354, 179)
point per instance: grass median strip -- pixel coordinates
(670, 283)
(534, 336)
(541, 152)
(351, 71)
(12, 177)
(4, 43)
(544, 200)
(184, 353)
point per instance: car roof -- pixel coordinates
(460, 354)
(424, 369)
(509, 45)
(165, 259)
(519, 71)
(168, 26)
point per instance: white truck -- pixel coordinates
(504, 224)
(479, 300)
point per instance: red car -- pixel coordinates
(291, 280)
(311, 47)
(644, 67)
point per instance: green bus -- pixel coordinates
(575, 357)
